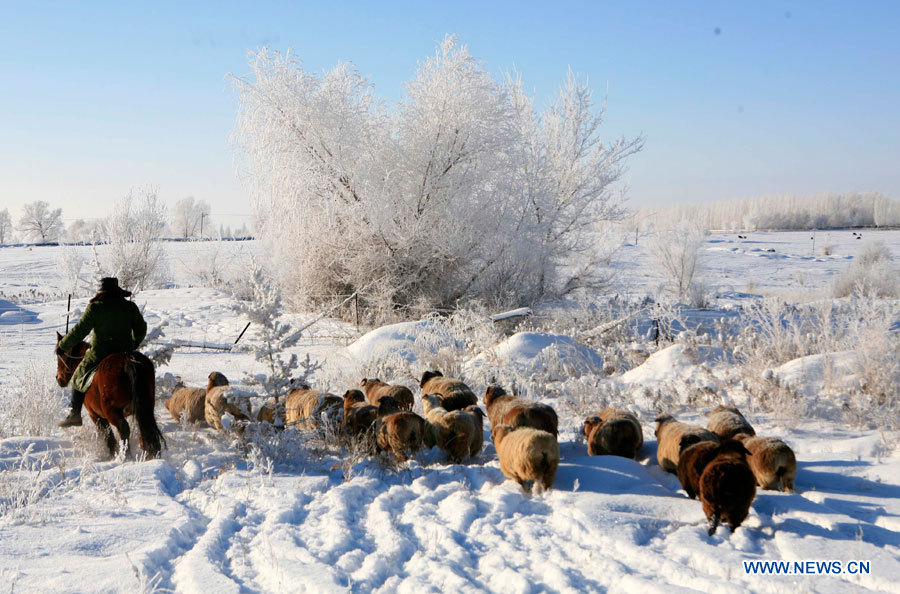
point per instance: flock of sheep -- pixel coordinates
(722, 463)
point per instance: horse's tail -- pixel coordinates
(142, 382)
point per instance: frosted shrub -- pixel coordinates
(34, 402)
(871, 272)
(675, 251)
(460, 191)
(272, 338)
(133, 252)
(76, 281)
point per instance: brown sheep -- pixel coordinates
(190, 402)
(458, 432)
(727, 486)
(772, 461)
(267, 412)
(673, 437)
(613, 431)
(222, 399)
(453, 392)
(692, 462)
(304, 404)
(506, 409)
(376, 389)
(398, 431)
(727, 421)
(527, 454)
(358, 415)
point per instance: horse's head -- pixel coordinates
(67, 362)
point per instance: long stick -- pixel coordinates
(68, 310)
(241, 334)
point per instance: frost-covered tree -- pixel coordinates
(40, 223)
(273, 338)
(81, 231)
(5, 226)
(461, 190)
(190, 218)
(675, 251)
(132, 251)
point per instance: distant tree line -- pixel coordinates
(781, 212)
(40, 223)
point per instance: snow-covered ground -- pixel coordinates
(212, 516)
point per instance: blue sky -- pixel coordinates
(733, 99)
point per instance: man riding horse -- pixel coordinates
(118, 327)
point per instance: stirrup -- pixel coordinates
(73, 420)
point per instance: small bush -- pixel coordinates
(872, 272)
(34, 403)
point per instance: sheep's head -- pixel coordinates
(428, 375)
(591, 422)
(216, 379)
(475, 410)
(732, 448)
(354, 396)
(388, 405)
(492, 393)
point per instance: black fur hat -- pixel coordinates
(110, 286)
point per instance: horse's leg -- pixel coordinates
(92, 405)
(118, 419)
(106, 433)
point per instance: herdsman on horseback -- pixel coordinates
(118, 327)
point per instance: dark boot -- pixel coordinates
(74, 418)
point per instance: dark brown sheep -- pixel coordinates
(398, 431)
(527, 454)
(727, 421)
(727, 486)
(453, 392)
(359, 416)
(673, 437)
(376, 389)
(772, 461)
(506, 409)
(692, 462)
(613, 431)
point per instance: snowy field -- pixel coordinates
(214, 515)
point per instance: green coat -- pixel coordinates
(118, 327)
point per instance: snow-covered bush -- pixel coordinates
(272, 338)
(461, 190)
(843, 354)
(75, 276)
(872, 272)
(133, 252)
(675, 251)
(34, 403)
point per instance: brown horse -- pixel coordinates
(124, 384)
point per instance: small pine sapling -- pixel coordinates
(273, 338)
